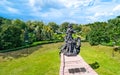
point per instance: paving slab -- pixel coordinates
(75, 65)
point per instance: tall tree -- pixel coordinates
(114, 29)
(47, 33)
(38, 30)
(53, 26)
(98, 34)
(63, 26)
(19, 23)
(10, 37)
(76, 27)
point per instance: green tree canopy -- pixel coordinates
(63, 26)
(10, 37)
(53, 26)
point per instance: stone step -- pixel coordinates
(75, 65)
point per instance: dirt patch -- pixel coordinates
(7, 56)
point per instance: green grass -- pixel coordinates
(45, 60)
(103, 56)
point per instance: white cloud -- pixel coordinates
(35, 5)
(7, 5)
(116, 8)
(53, 13)
(62, 10)
(91, 18)
(75, 3)
(99, 16)
(12, 10)
(103, 14)
(71, 9)
(32, 3)
(101, 11)
(90, 10)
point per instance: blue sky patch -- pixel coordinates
(59, 11)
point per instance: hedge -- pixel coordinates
(31, 45)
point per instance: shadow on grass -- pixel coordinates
(20, 53)
(95, 65)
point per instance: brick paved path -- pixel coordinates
(75, 65)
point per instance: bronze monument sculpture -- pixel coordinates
(71, 46)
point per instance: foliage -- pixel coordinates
(47, 33)
(63, 27)
(114, 30)
(10, 37)
(85, 29)
(105, 32)
(19, 23)
(76, 27)
(16, 33)
(53, 26)
(98, 34)
(34, 31)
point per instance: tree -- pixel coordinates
(98, 33)
(4, 21)
(1, 20)
(35, 30)
(63, 26)
(118, 16)
(76, 27)
(19, 23)
(85, 29)
(114, 29)
(38, 33)
(10, 37)
(53, 26)
(38, 30)
(47, 33)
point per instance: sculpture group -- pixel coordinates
(71, 46)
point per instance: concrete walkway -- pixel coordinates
(75, 65)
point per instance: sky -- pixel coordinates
(59, 11)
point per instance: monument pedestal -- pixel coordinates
(75, 65)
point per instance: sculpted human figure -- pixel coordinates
(69, 32)
(71, 46)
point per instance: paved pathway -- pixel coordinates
(75, 65)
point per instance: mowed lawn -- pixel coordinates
(108, 65)
(45, 60)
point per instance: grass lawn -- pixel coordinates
(103, 56)
(44, 60)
